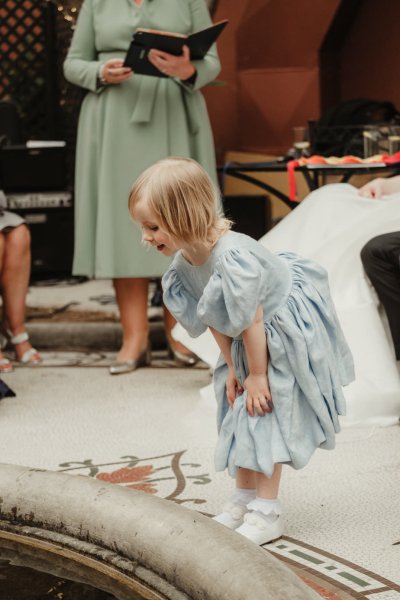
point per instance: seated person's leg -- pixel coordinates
(381, 260)
(14, 281)
(5, 365)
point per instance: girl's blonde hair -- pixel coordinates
(183, 198)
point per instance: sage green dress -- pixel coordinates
(125, 128)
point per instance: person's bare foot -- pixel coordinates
(24, 352)
(23, 349)
(5, 364)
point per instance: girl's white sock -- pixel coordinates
(234, 510)
(243, 496)
(267, 509)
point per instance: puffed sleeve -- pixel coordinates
(181, 303)
(232, 295)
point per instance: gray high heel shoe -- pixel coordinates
(127, 366)
(184, 359)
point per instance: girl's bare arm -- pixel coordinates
(233, 386)
(259, 398)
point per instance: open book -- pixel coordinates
(144, 40)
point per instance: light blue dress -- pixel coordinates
(308, 363)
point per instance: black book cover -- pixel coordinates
(143, 40)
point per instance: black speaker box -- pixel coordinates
(25, 169)
(10, 122)
(251, 214)
(52, 245)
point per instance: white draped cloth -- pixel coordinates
(331, 226)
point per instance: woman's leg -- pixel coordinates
(14, 280)
(2, 248)
(181, 354)
(132, 299)
(5, 365)
(169, 323)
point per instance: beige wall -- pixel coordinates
(271, 73)
(370, 60)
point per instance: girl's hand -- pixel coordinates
(171, 65)
(233, 387)
(113, 71)
(259, 397)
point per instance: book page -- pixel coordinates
(158, 32)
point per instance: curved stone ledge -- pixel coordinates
(138, 546)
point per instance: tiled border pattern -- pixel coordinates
(346, 576)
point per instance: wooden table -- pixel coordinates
(313, 174)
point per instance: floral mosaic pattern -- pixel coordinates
(136, 478)
(167, 475)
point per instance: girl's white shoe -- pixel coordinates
(260, 530)
(232, 515)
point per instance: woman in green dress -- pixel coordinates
(127, 122)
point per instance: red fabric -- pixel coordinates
(291, 166)
(389, 160)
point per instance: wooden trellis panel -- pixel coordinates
(27, 65)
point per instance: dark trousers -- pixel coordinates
(381, 260)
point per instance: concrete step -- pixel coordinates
(99, 336)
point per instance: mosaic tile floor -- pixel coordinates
(342, 511)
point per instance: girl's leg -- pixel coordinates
(5, 364)
(132, 299)
(233, 511)
(263, 521)
(268, 487)
(14, 280)
(246, 479)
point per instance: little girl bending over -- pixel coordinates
(283, 358)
